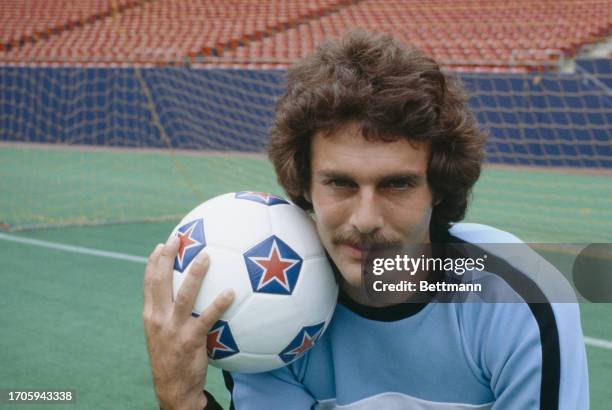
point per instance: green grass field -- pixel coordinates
(72, 321)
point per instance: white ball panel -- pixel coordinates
(233, 223)
(265, 323)
(226, 270)
(249, 363)
(297, 229)
(204, 208)
(316, 292)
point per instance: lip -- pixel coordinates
(352, 251)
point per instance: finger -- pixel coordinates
(212, 313)
(187, 294)
(162, 290)
(149, 274)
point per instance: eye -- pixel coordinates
(398, 183)
(340, 183)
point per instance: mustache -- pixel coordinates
(371, 241)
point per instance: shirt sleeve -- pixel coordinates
(574, 373)
(534, 356)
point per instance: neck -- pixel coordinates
(358, 294)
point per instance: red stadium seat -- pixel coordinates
(462, 34)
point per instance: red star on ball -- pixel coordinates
(274, 268)
(185, 242)
(307, 342)
(213, 342)
(263, 195)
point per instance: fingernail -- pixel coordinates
(227, 294)
(201, 257)
(173, 240)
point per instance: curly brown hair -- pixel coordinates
(393, 92)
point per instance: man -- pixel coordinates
(380, 145)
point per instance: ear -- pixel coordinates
(306, 196)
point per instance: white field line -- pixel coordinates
(590, 341)
(604, 344)
(74, 249)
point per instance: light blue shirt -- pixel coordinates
(436, 355)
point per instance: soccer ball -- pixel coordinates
(268, 251)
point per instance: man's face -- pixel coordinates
(367, 192)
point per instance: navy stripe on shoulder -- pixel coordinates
(545, 318)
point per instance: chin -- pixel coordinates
(351, 272)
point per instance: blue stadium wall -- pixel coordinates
(536, 119)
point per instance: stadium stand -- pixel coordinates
(493, 35)
(148, 31)
(27, 21)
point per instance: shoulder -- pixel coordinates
(542, 334)
(480, 233)
(514, 262)
(513, 268)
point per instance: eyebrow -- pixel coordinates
(408, 176)
(411, 178)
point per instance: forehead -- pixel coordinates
(347, 151)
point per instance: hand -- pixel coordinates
(176, 340)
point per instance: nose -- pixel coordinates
(366, 216)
